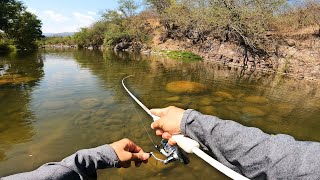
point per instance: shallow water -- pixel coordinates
(75, 100)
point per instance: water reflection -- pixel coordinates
(16, 114)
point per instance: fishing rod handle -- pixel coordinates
(186, 143)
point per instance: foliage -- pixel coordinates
(122, 25)
(183, 55)
(67, 40)
(21, 27)
(27, 31)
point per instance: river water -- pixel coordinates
(55, 102)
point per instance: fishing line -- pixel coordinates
(144, 127)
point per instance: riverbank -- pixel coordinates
(297, 57)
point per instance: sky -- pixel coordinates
(68, 15)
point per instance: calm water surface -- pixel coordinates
(68, 100)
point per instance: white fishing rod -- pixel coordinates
(190, 145)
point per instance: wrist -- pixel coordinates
(184, 121)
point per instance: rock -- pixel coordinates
(217, 99)
(224, 95)
(205, 101)
(173, 99)
(186, 87)
(256, 99)
(252, 111)
(283, 109)
(108, 101)
(101, 112)
(208, 110)
(89, 103)
(15, 79)
(2, 155)
(122, 46)
(290, 42)
(54, 105)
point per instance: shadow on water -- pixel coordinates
(21, 74)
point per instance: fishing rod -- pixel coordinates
(186, 144)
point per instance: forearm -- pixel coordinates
(81, 165)
(251, 151)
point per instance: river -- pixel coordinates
(56, 102)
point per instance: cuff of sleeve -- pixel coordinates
(108, 153)
(184, 121)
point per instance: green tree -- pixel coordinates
(9, 13)
(127, 7)
(21, 27)
(26, 31)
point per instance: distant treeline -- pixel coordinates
(255, 25)
(19, 29)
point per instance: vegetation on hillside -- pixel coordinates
(256, 26)
(18, 27)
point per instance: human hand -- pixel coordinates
(127, 151)
(169, 122)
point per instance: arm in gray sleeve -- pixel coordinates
(252, 152)
(81, 165)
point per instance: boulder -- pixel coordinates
(223, 95)
(186, 87)
(89, 103)
(122, 46)
(252, 111)
(173, 99)
(208, 110)
(54, 105)
(256, 99)
(205, 101)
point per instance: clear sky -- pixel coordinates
(68, 15)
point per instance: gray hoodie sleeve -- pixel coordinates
(250, 151)
(81, 165)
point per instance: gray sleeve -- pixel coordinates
(250, 151)
(81, 165)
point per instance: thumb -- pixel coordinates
(140, 156)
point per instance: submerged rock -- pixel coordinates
(284, 109)
(173, 99)
(101, 112)
(224, 95)
(186, 87)
(54, 105)
(208, 110)
(89, 103)
(256, 99)
(205, 101)
(252, 111)
(15, 79)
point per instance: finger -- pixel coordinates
(172, 142)
(137, 164)
(159, 132)
(132, 147)
(166, 135)
(140, 156)
(156, 124)
(126, 164)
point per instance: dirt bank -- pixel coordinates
(298, 53)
